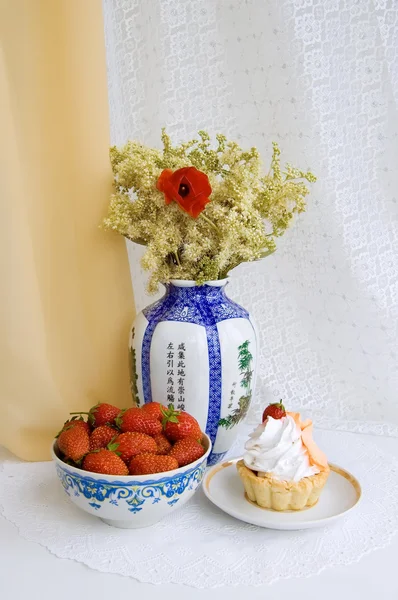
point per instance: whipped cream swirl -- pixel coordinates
(276, 447)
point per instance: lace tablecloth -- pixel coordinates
(200, 546)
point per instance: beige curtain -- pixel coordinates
(66, 298)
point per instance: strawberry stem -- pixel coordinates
(119, 418)
(113, 447)
(170, 415)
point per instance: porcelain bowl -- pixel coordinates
(134, 500)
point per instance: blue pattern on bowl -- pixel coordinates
(134, 493)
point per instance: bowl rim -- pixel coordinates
(131, 478)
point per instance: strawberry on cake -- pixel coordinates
(282, 468)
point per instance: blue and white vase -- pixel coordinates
(196, 349)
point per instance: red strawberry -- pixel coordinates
(75, 422)
(106, 462)
(276, 411)
(134, 419)
(101, 436)
(162, 443)
(145, 464)
(186, 451)
(74, 443)
(101, 414)
(179, 425)
(154, 410)
(130, 444)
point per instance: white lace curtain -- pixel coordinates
(321, 78)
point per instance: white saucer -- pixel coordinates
(223, 486)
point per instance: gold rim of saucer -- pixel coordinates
(223, 487)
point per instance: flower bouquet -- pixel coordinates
(201, 210)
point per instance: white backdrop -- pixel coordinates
(321, 78)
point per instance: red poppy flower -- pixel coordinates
(188, 187)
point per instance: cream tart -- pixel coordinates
(283, 469)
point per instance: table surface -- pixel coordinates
(28, 570)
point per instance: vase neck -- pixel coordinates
(206, 291)
(189, 283)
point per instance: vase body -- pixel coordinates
(196, 349)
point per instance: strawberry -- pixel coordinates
(101, 436)
(276, 411)
(130, 444)
(74, 443)
(186, 451)
(162, 443)
(179, 425)
(154, 410)
(145, 464)
(101, 414)
(106, 462)
(134, 419)
(75, 422)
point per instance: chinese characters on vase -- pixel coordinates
(176, 375)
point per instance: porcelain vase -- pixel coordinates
(196, 349)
